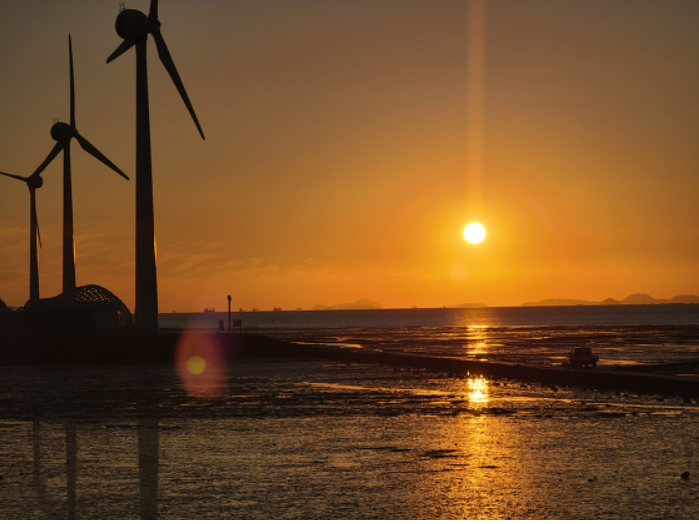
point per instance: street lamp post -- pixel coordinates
(229, 313)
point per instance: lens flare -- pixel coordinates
(196, 365)
(201, 365)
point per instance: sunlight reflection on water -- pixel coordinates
(477, 390)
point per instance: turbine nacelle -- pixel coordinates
(134, 25)
(62, 132)
(35, 181)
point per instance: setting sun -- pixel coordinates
(474, 233)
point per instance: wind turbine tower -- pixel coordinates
(63, 133)
(134, 27)
(34, 182)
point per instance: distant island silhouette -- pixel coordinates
(362, 303)
(635, 299)
(469, 305)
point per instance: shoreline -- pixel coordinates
(148, 350)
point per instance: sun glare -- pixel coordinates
(474, 233)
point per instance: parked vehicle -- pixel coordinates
(582, 357)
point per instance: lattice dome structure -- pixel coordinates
(87, 309)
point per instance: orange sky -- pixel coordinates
(338, 163)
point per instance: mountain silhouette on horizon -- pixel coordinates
(635, 299)
(469, 305)
(362, 303)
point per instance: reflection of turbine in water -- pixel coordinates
(34, 182)
(71, 467)
(39, 481)
(47, 507)
(134, 27)
(148, 467)
(148, 470)
(63, 133)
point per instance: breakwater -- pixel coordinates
(598, 378)
(161, 349)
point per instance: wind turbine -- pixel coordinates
(34, 182)
(62, 133)
(134, 27)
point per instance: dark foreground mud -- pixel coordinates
(678, 379)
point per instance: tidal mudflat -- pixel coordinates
(314, 439)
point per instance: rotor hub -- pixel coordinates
(35, 181)
(132, 25)
(60, 131)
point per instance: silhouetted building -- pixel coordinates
(87, 309)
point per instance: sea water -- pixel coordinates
(444, 317)
(313, 439)
(620, 335)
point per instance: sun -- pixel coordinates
(474, 233)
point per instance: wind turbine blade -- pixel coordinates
(87, 146)
(38, 232)
(123, 47)
(153, 13)
(56, 149)
(166, 59)
(24, 179)
(72, 84)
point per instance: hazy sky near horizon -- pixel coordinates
(337, 164)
